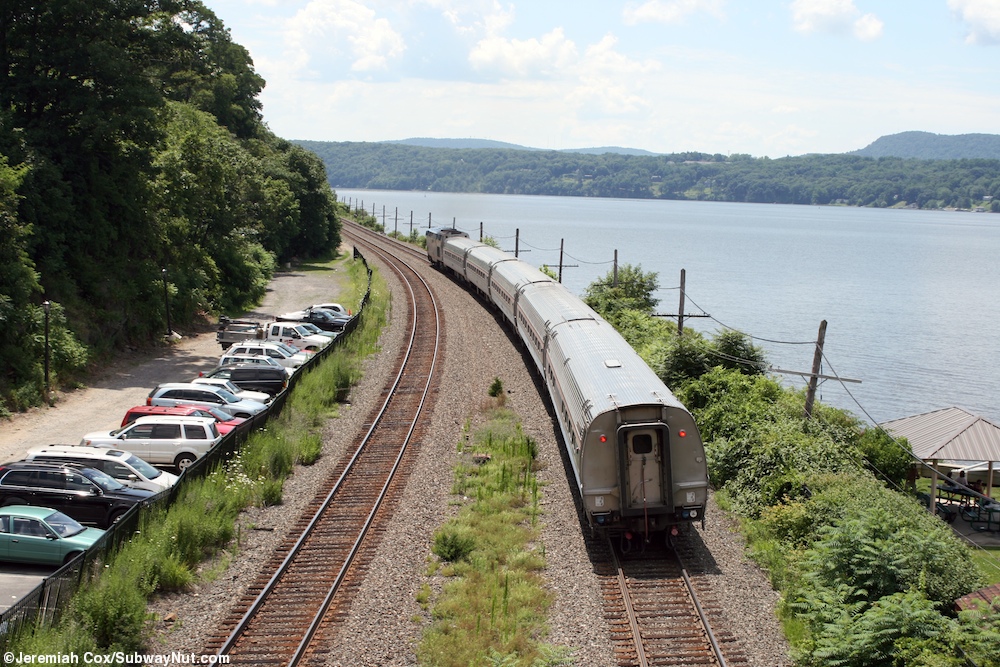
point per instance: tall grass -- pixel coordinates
(492, 608)
(109, 612)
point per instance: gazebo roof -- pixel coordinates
(948, 434)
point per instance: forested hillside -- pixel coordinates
(930, 146)
(133, 159)
(812, 179)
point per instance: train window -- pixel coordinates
(642, 443)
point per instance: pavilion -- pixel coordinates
(950, 435)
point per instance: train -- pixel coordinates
(635, 450)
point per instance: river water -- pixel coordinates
(910, 297)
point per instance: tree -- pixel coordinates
(633, 291)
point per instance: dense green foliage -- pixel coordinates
(129, 145)
(867, 576)
(811, 179)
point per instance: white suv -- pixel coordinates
(285, 355)
(162, 439)
(124, 466)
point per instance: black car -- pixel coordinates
(253, 377)
(327, 320)
(85, 494)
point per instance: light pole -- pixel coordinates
(46, 306)
(166, 301)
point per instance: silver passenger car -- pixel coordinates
(635, 450)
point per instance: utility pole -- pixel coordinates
(480, 231)
(817, 361)
(428, 220)
(395, 228)
(517, 240)
(614, 279)
(680, 307)
(561, 265)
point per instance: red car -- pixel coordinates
(224, 421)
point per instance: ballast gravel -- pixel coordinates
(385, 622)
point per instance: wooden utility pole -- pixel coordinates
(561, 265)
(428, 220)
(560, 258)
(517, 241)
(411, 223)
(817, 362)
(480, 231)
(614, 279)
(395, 227)
(680, 307)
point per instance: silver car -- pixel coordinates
(190, 393)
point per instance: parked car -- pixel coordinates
(334, 307)
(42, 535)
(324, 319)
(188, 393)
(85, 494)
(235, 390)
(313, 329)
(162, 439)
(255, 359)
(294, 335)
(224, 421)
(283, 354)
(124, 466)
(258, 377)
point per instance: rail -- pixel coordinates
(319, 562)
(45, 604)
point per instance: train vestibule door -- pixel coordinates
(645, 465)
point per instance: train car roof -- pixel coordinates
(463, 243)
(489, 255)
(556, 303)
(607, 369)
(445, 232)
(520, 273)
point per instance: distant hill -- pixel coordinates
(428, 142)
(617, 150)
(930, 146)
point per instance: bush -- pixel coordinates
(496, 389)
(452, 544)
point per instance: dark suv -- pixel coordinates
(252, 377)
(87, 495)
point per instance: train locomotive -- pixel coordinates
(635, 450)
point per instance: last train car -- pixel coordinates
(635, 451)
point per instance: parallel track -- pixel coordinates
(307, 588)
(654, 613)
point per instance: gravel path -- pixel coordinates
(386, 632)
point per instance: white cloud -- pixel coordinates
(834, 16)
(529, 57)
(982, 17)
(868, 27)
(670, 11)
(316, 35)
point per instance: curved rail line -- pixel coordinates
(278, 619)
(655, 614)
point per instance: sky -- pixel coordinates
(759, 77)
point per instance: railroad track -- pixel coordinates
(657, 613)
(307, 587)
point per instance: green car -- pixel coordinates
(42, 535)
